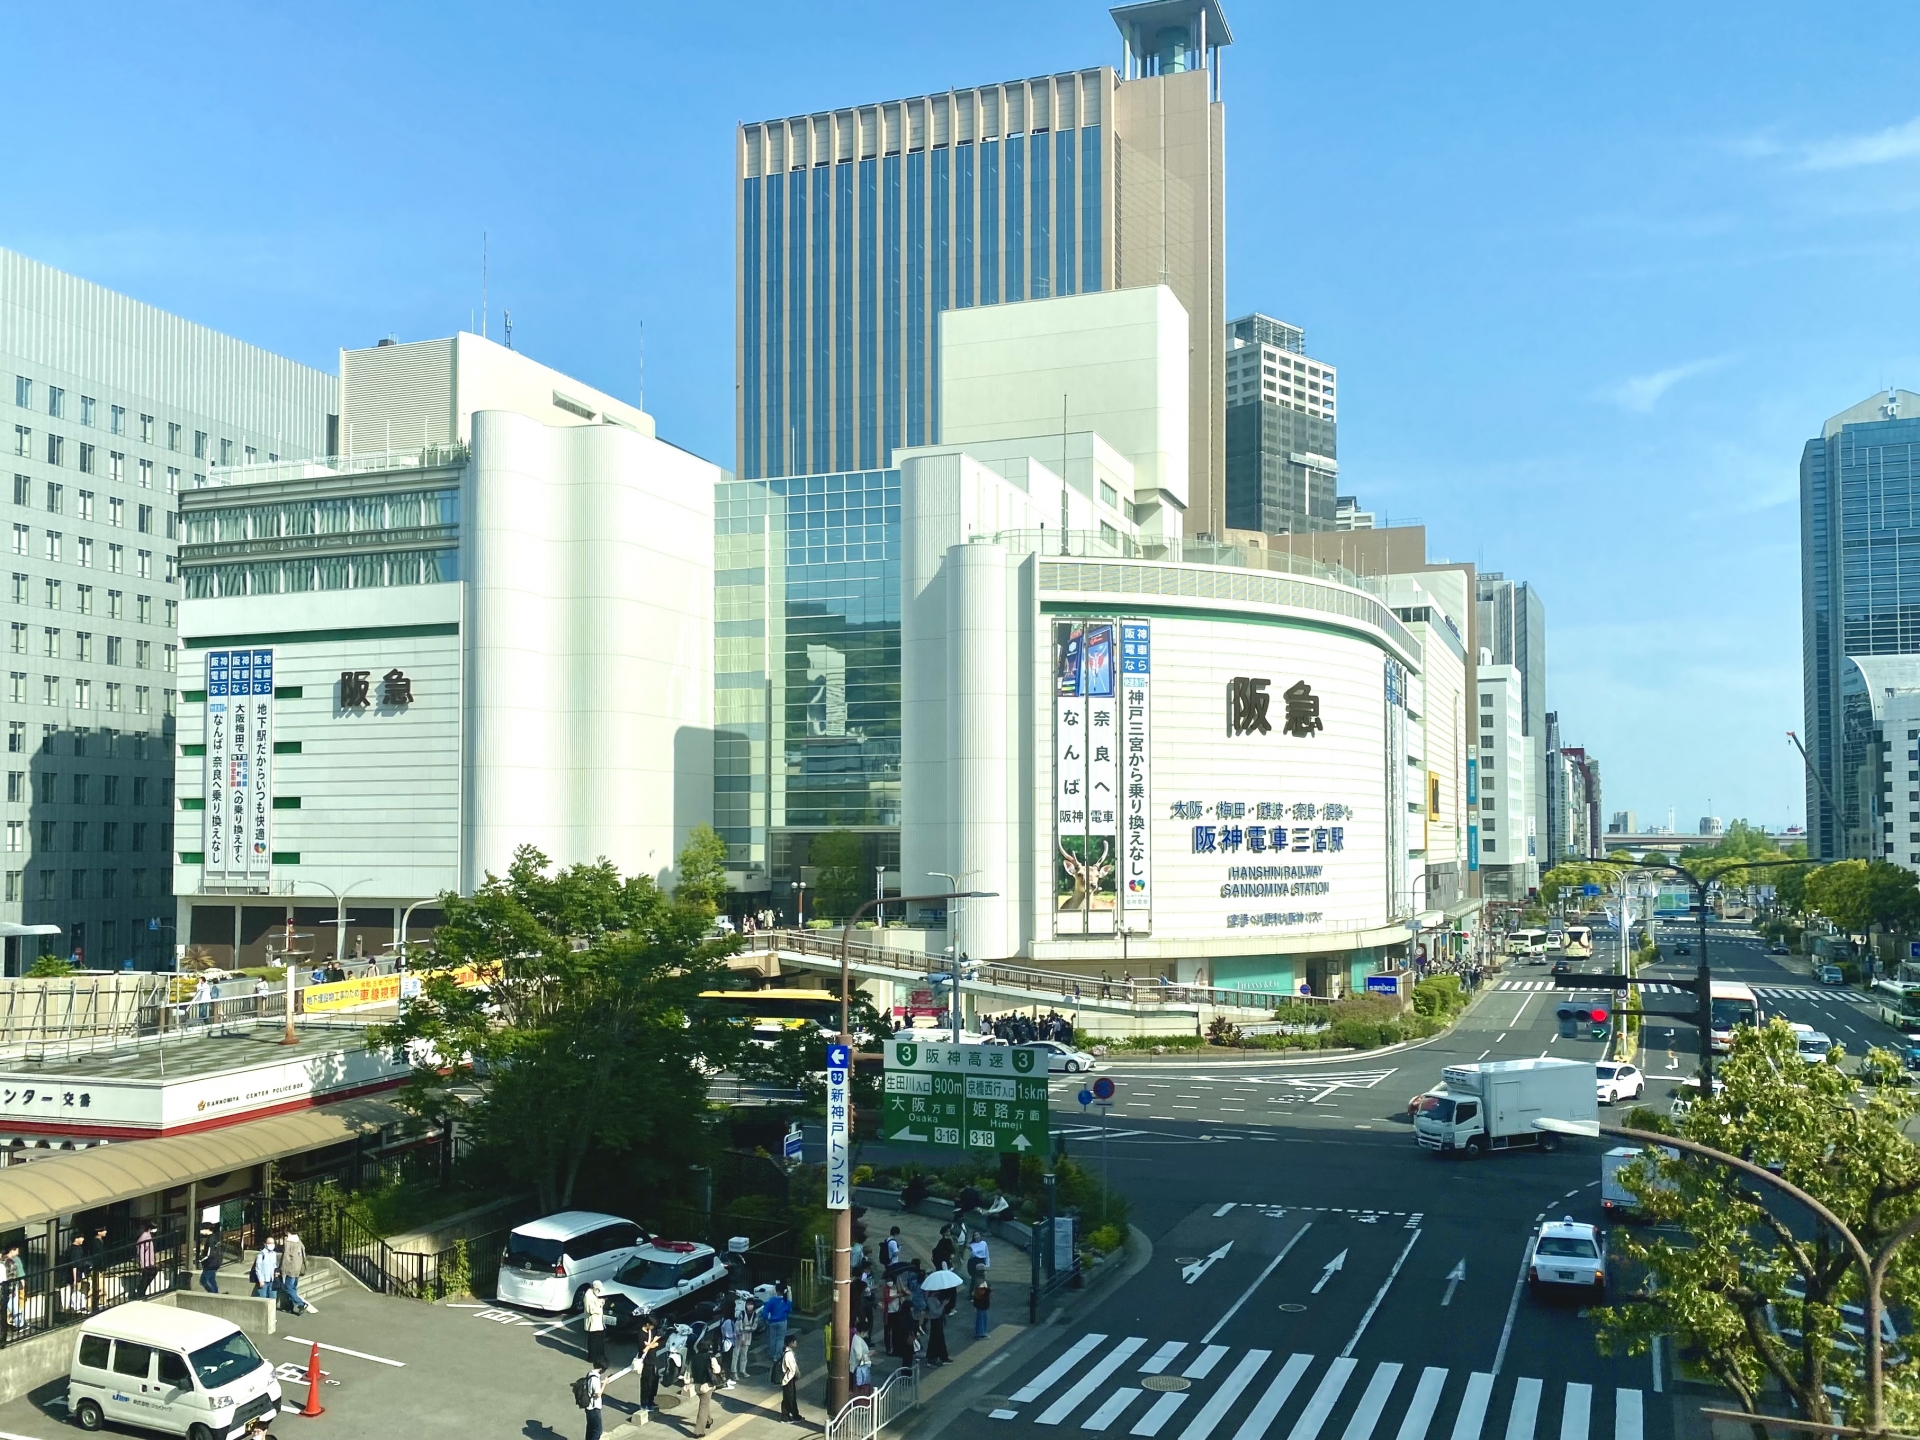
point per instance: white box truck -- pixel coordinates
(1493, 1105)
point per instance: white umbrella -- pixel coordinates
(941, 1279)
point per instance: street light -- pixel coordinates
(799, 904)
(843, 1219)
(340, 915)
(954, 952)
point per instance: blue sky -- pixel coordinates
(1592, 276)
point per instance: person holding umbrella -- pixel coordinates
(942, 1287)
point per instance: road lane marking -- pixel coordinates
(1262, 1415)
(1110, 1409)
(1575, 1414)
(1203, 1363)
(1628, 1423)
(1307, 1427)
(1473, 1406)
(1513, 1307)
(1043, 1382)
(1163, 1357)
(1089, 1382)
(1248, 1293)
(1223, 1399)
(342, 1350)
(1225, 1208)
(1484, 1054)
(1367, 1318)
(1526, 1408)
(1426, 1399)
(1160, 1412)
(1360, 1427)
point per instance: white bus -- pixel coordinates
(1733, 1005)
(1579, 942)
(1526, 942)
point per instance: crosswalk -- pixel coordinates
(1762, 992)
(1128, 1385)
(1571, 988)
(1801, 992)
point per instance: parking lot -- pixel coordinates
(404, 1368)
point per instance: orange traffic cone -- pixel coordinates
(313, 1382)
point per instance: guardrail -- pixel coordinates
(865, 1416)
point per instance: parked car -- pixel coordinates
(1567, 1254)
(548, 1262)
(165, 1369)
(1832, 975)
(1065, 1057)
(1614, 1082)
(1777, 949)
(662, 1277)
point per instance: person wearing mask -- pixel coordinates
(593, 1307)
(860, 1364)
(775, 1312)
(787, 1372)
(266, 1270)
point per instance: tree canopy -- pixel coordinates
(1746, 1252)
(1858, 895)
(841, 878)
(1570, 875)
(586, 1032)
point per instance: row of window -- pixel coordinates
(88, 458)
(103, 742)
(46, 788)
(88, 414)
(54, 548)
(83, 601)
(81, 833)
(329, 572)
(51, 645)
(79, 887)
(114, 696)
(116, 511)
(345, 515)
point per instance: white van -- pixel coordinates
(166, 1369)
(547, 1263)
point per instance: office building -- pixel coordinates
(860, 226)
(415, 660)
(1281, 430)
(1438, 742)
(1507, 863)
(1347, 514)
(1880, 758)
(1513, 628)
(116, 408)
(1624, 822)
(1859, 597)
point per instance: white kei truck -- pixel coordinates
(1493, 1105)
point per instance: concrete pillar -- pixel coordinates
(980, 745)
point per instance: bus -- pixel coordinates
(1579, 943)
(1898, 1002)
(1733, 1005)
(774, 1012)
(1526, 942)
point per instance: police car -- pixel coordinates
(1567, 1253)
(661, 1278)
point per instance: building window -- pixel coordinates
(83, 645)
(173, 613)
(119, 418)
(55, 544)
(143, 654)
(17, 737)
(113, 649)
(46, 836)
(140, 701)
(23, 392)
(50, 689)
(114, 606)
(116, 465)
(173, 436)
(19, 691)
(56, 498)
(19, 637)
(46, 884)
(113, 697)
(172, 654)
(199, 444)
(145, 570)
(139, 835)
(22, 440)
(173, 481)
(83, 552)
(146, 519)
(109, 890)
(77, 886)
(146, 474)
(13, 885)
(84, 594)
(87, 458)
(84, 509)
(56, 402)
(16, 837)
(116, 511)
(116, 558)
(17, 787)
(22, 539)
(56, 450)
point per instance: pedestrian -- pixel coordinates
(593, 1307)
(596, 1389)
(982, 1302)
(775, 1312)
(745, 1323)
(943, 1248)
(144, 1258)
(211, 1252)
(890, 1249)
(266, 1269)
(706, 1375)
(293, 1265)
(79, 1276)
(860, 1364)
(977, 1259)
(647, 1362)
(937, 1309)
(787, 1371)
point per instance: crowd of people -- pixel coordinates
(1018, 1028)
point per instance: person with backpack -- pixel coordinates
(890, 1248)
(706, 1375)
(787, 1371)
(293, 1265)
(588, 1392)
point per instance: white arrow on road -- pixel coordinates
(1454, 1277)
(1338, 1262)
(1193, 1272)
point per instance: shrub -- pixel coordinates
(1357, 1033)
(1106, 1239)
(863, 1174)
(1223, 1031)
(1438, 995)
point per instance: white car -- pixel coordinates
(1814, 1044)
(1064, 1057)
(549, 1262)
(660, 1277)
(1615, 1082)
(1567, 1252)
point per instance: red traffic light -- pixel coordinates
(1599, 1016)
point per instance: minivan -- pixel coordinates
(165, 1369)
(547, 1263)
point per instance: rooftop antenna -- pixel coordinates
(483, 284)
(506, 322)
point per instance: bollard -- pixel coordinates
(313, 1383)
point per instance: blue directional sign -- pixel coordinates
(839, 1137)
(839, 1057)
(1085, 1097)
(1589, 889)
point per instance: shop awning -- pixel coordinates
(62, 1184)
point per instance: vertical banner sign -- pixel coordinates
(260, 768)
(1102, 859)
(239, 762)
(1398, 886)
(214, 825)
(1069, 775)
(1473, 812)
(839, 1151)
(1086, 776)
(1136, 775)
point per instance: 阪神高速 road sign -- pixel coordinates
(970, 1097)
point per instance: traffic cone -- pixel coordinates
(313, 1383)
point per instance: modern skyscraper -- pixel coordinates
(1859, 595)
(1281, 466)
(117, 407)
(1513, 626)
(858, 227)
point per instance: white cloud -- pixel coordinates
(1640, 393)
(1846, 152)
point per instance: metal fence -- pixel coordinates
(865, 1416)
(85, 1281)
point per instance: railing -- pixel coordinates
(865, 1416)
(51, 1295)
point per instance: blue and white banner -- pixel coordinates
(237, 837)
(839, 1137)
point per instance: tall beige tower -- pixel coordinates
(858, 227)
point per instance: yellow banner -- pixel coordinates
(371, 990)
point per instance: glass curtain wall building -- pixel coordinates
(1282, 429)
(1860, 590)
(806, 674)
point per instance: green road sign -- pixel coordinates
(966, 1097)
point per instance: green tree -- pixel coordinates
(1743, 1248)
(587, 1033)
(1860, 895)
(1571, 875)
(1790, 887)
(703, 869)
(840, 878)
(50, 967)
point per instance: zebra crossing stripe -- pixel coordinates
(1574, 1415)
(1162, 1410)
(1044, 1381)
(1278, 1392)
(1163, 1357)
(1360, 1427)
(1628, 1422)
(1426, 1399)
(1526, 1408)
(1222, 1400)
(1089, 1382)
(1204, 1362)
(1307, 1427)
(1473, 1406)
(1110, 1409)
